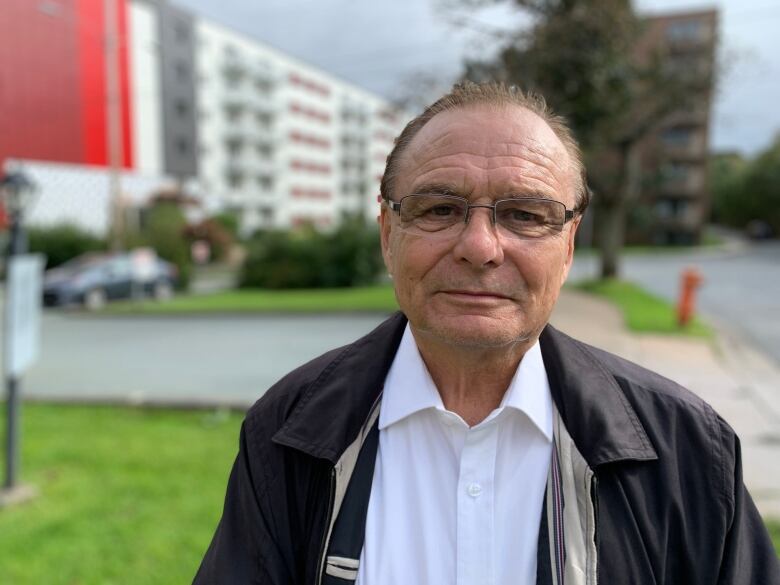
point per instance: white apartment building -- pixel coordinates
(283, 142)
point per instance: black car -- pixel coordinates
(93, 279)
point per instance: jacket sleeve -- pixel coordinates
(244, 549)
(748, 557)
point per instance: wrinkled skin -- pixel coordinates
(481, 288)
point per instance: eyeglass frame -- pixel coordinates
(569, 214)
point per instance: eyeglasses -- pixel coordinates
(443, 216)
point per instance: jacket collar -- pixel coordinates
(596, 412)
(598, 416)
(333, 409)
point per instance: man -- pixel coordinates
(475, 444)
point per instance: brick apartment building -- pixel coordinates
(675, 194)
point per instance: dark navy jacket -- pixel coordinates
(671, 504)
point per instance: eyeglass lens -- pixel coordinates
(444, 214)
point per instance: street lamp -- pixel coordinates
(16, 194)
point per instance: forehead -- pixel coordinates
(487, 151)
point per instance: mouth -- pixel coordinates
(474, 295)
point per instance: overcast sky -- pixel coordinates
(382, 45)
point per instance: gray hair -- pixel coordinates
(497, 94)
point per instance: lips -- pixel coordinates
(475, 294)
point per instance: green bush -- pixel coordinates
(306, 258)
(164, 230)
(62, 242)
(229, 221)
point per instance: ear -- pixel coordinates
(575, 224)
(385, 229)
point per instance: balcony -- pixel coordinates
(697, 115)
(683, 142)
(234, 65)
(242, 96)
(679, 179)
(238, 130)
(691, 34)
(264, 77)
(678, 214)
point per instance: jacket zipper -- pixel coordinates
(323, 552)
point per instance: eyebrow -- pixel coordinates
(438, 189)
(449, 189)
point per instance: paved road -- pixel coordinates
(741, 289)
(232, 359)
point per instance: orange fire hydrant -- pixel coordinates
(690, 280)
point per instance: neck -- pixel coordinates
(471, 380)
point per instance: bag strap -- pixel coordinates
(349, 532)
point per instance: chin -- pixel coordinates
(479, 332)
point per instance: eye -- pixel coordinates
(520, 215)
(443, 210)
(524, 215)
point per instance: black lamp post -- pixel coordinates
(16, 192)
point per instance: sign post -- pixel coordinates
(24, 283)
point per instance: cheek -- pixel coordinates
(413, 258)
(542, 266)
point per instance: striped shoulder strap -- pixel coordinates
(349, 531)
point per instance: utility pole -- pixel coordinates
(114, 114)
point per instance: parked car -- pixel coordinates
(93, 279)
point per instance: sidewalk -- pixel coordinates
(742, 384)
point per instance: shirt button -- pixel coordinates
(474, 490)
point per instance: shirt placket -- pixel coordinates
(476, 497)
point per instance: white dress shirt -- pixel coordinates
(453, 504)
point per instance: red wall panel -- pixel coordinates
(124, 83)
(53, 81)
(92, 65)
(40, 114)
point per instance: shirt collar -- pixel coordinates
(409, 388)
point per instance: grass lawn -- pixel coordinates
(643, 312)
(126, 495)
(774, 532)
(372, 298)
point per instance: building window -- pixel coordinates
(685, 31)
(182, 71)
(182, 146)
(233, 114)
(235, 180)
(676, 172)
(678, 136)
(181, 31)
(181, 108)
(233, 147)
(264, 149)
(265, 182)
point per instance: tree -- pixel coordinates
(163, 228)
(748, 191)
(588, 58)
(762, 186)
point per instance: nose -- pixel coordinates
(479, 243)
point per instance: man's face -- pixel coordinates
(481, 288)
